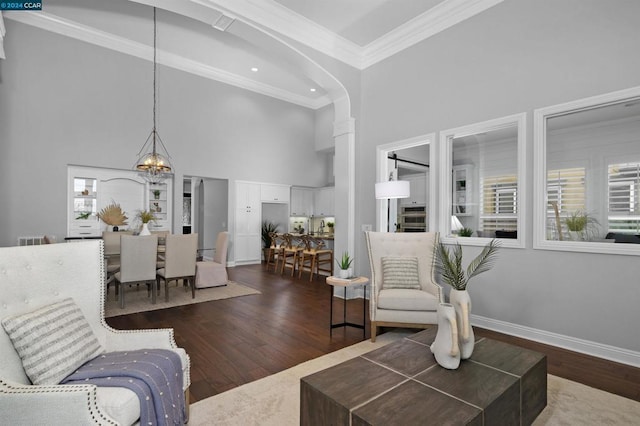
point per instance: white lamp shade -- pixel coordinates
(393, 189)
(456, 225)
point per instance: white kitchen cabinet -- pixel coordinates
(273, 193)
(248, 228)
(301, 201)
(324, 204)
(418, 191)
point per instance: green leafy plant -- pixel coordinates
(330, 224)
(146, 216)
(345, 262)
(84, 215)
(584, 224)
(449, 263)
(465, 232)
(268, 228)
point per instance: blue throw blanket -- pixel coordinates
(155, 375)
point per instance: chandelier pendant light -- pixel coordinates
(154, 165)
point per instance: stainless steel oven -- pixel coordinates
(413, 219)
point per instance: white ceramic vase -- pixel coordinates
(145, 230)
(345, 273)
(445, 346)
(462, 304)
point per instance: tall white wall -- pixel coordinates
(63, 101)
(512, 58)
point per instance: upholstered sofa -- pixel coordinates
(31, 277)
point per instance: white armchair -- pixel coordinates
(35, 276)
(392, 304)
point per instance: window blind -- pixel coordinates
(566, 189)
(499, 205)
(624, 205)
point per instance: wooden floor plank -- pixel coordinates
(235, 341)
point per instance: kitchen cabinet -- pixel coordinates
(418, 190)
(301, 201)
(272, 193)
(461, 190)
(248, 228)
(324, 201)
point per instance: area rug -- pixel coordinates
(275, 400)
(137, 300)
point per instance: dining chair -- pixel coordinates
(214, 273)
(180, 261)
(111, 254)
(137, 263)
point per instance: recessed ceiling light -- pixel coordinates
(312, 89)
(254, 69)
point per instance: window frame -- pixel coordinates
(540, 117)
(446, 138)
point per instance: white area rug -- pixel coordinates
(275, 400)
(137, 300)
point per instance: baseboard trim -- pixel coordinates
(611, 353)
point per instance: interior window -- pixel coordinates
(484, 182)
(587, 162)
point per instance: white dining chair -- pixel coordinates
(137, 264)
(180, 261)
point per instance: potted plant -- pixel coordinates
(581, 225)
(156, 194)
(113, 215)
(449, 264)
(267, 229)
(330, 225)
(465, 232)
(146, 216)
(345, 265)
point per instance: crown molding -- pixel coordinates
(274, 16)
(110, 41)
(441, 17)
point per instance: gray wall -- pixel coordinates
(515, 57)
(63, 101)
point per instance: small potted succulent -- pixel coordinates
(345, 266)
(330, 225)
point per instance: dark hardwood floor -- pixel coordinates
(235, 341)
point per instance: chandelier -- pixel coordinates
(153, 159)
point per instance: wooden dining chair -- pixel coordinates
(137, 264)
(180, 261)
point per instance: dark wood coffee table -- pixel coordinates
(402, 384)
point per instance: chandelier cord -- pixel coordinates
(154, 78)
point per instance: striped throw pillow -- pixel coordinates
(400, 272)
(52, 341)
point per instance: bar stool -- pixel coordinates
(274, 253)
(290, 253)
(314, 255)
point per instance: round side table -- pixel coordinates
(344, 283)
